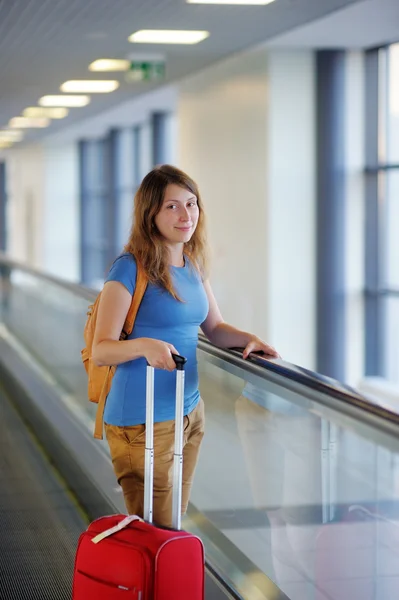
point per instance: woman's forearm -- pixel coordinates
(227, 336)
(111, 352)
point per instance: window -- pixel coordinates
(123, 184)
(162, 138)
(382, 254)
(111, 170)
(94, 202)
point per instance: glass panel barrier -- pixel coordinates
(293, 497)
(293, 493)
(48, 320)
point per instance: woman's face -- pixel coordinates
(178, 217)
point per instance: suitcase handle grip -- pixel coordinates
(180, 361)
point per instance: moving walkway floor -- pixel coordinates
(40, 521)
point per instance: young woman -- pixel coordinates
(168, 238)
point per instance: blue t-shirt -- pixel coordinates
(160, 317)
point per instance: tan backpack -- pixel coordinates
(100, 378)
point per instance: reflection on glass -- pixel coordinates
(310, 504)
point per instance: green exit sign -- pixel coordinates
(145, 70)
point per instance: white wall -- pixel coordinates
(61, 213)
(292, 204)
(246, 134)
(42, 207)
(25, 189)
(222, 115)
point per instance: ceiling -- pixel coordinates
(46, 42)
(365, 24)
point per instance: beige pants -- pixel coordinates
(127, 452)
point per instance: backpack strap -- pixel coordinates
(141, 286)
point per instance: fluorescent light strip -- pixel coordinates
(168, 36)
(9, 135)
(90, 87)
(62, 101)
(36, 112)
(110, 64)
(25, 123)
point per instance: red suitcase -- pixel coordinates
(125, 557)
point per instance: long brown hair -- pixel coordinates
(145, 241)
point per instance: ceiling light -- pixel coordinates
(169, 36)
(243, 2)
(110, 64)
(9, 135)
(90, 86)
(49, 113)
(70, 101)
(24, 123)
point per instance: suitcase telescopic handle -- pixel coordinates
(180, 362)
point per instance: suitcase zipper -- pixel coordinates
(112, 585)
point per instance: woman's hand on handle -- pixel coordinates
(257, 345)
(159, 354)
